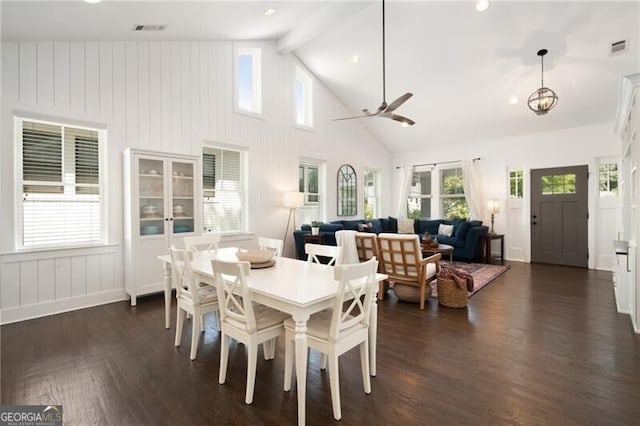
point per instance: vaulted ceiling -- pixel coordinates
(462, 66)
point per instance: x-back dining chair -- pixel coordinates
(191, 298)
(333, 253)
(272, 244)
(202, 242)
(244, 321)
(334, 332)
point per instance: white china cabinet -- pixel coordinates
(161, 206)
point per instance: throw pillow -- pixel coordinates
(405, 226)
(365, 227)
(445, 230)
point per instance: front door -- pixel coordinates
(559, 216)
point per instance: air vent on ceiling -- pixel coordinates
(149, 28)
(618, 47)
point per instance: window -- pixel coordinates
(516, 184)
(559, 184)
(303, 93)
(452, 199)
(419, 200)
(248, 80)
(59, 176)
(310, 176)
(608, 179)
(371, 194)
(224, 193)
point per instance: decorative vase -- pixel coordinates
(315, 230)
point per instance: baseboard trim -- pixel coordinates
(39, 310)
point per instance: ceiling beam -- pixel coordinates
(327, 17)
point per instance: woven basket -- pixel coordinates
(450, 295)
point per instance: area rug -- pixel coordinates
(482, 274)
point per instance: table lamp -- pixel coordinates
(292, 201)
(494, 208)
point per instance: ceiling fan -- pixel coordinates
(385, 110)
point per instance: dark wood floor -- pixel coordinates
(542, 345)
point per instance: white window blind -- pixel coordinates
(61, 200)
(223, 190)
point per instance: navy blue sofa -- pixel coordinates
(465, 238)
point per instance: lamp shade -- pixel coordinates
(493, 206)
(293, 200)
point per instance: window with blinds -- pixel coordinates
(224, 195)
(310, 177)
(59, 173)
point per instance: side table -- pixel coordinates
(314, 239)
(486, 247)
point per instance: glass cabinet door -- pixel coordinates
(182, 196)
(151, 196)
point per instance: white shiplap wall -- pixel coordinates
(164, 96)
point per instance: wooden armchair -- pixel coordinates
(400, 257)
(366, 246)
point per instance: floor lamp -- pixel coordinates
(292, 201)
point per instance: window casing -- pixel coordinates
(453, 203)
(303, 96)
(516, 184)
(248, 80)
(371, 193)
(310, 178)
(419, 200)
(608, 179)
(224, 177)
(59, 178)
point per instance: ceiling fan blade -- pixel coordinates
(395, 104)
(402, 119)
(356, 116)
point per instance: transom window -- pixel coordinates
(303, 93)
(59, 176)
(224, 192)
(248, 79)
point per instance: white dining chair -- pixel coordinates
(202, 242)
(333, 253)
(244, 321)
(191, 297)
(272, 244)
(334, 332)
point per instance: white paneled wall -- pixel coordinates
(170, 96)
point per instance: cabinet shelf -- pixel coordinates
(151, 175)
(183, 218)
(151, 197)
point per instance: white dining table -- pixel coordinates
(296, 287)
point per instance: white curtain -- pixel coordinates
(404, 193)
(472, 189)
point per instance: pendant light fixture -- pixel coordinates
(543, 99)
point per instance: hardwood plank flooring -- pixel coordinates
(541, 345)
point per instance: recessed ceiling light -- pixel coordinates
(513, 100)
(482, 5)
(354, 59)
(269, 11)
(92, 1)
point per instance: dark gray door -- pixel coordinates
(559, 215)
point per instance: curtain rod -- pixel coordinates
(441, 162)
